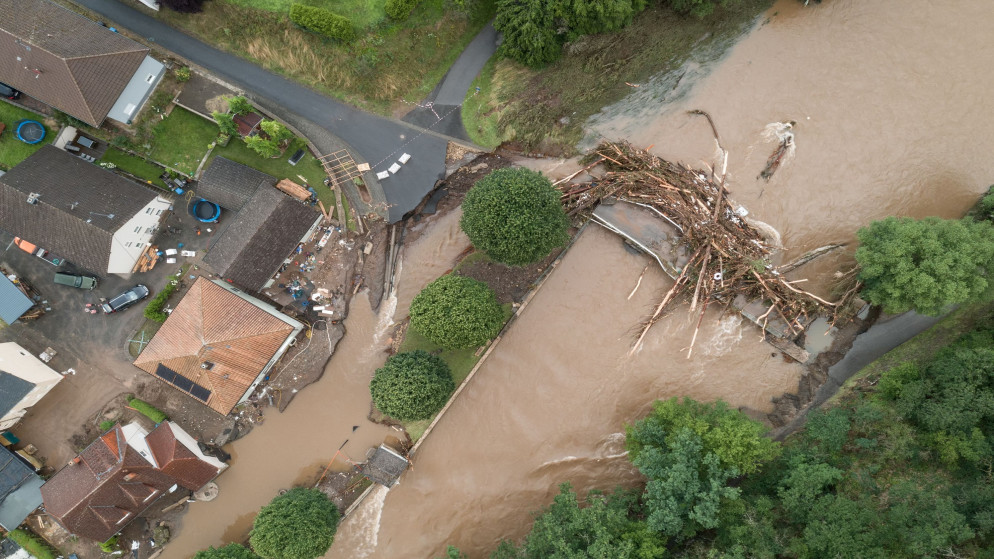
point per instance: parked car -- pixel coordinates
(126, 299)
(9, 92)
(82, 282)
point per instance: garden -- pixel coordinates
(12, 150)
(181, 140)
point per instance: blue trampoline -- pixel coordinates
(30, 131)
(206, 211)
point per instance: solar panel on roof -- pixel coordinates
(200, 393)
(183, 383)
(165, 373)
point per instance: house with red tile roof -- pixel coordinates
(121, 474)
(218, 344)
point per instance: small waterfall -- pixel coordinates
(728, 334)
(389, 307)
(366, 522)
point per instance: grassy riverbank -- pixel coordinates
(545, 109)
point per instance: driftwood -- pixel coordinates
(729, 257)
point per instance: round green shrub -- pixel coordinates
(400, 10)
(323, 21)
(411, 386)
(514, 215)
(230, 551)
(456, 312)
(299, 524)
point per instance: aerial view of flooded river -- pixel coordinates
(888, 100)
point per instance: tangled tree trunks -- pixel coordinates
(729, 257)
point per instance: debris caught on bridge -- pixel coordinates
(728, 257)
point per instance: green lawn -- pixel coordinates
(135, 165)
(181, 140)
(12, 150)
(308, 167)
(363, 13)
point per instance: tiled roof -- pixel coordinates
(64, 59)
(176, 460)
(72, 192)
(231, 184)
(105, 487)
(254, 245)
(213, 325)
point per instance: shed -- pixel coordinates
(384, 466)
(20, 490)
(13, 303)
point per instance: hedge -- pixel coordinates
(322, 21)
(33, 544)
(153, 310)
(400, 9)
(146, 409)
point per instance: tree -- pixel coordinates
(514, 215)
(183, 6)
(456, 312)
(263, 146)
(734, 438)
(230, 551)
(299, 524)
(411, 386)
(276, 131)
(225, 122)
(536, 30)
(925, 264)
(239, 105)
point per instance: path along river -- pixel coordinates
(889, 101)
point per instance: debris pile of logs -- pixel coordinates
(728, 256)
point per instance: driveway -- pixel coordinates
(376, 140)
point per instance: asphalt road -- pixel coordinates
(373, 139)
(440, 110)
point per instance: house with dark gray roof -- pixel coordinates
(72, 63)
(253, 246)
(24, 380)
(20, 490)
(94, 218)
(13, 303)
(231, 184)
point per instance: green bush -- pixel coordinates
(322, 21)
(411, 386)
(33, 544)
(299, 524)
(400, 9)
(153, 310)
(110, 545)
(146, 409)
(183, 74)
(514, 215)
(106, 425)
(230, 551)
(226, 123)
(262, 146)
(239, 105)
(456, 312)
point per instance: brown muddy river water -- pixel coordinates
(889, 100)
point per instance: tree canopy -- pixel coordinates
(230, 551)
(411, 386)
(299, 524)
(184, 6)
(700, 8)
(457, 312)
(924, 264)
(514, 215)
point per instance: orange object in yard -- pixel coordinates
(25, 246)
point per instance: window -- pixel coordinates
(148, 211)
(157, 212)
(137, 229)
(153, 494)
(123, 518)
(127, 245)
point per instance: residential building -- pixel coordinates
(121, 474)
(20, 490)
(250, 249)
(230, 185)
(218, 344)
(96, 219)
(24, 379)
(72, 63)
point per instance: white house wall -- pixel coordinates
(16, 360)
(134, 236)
